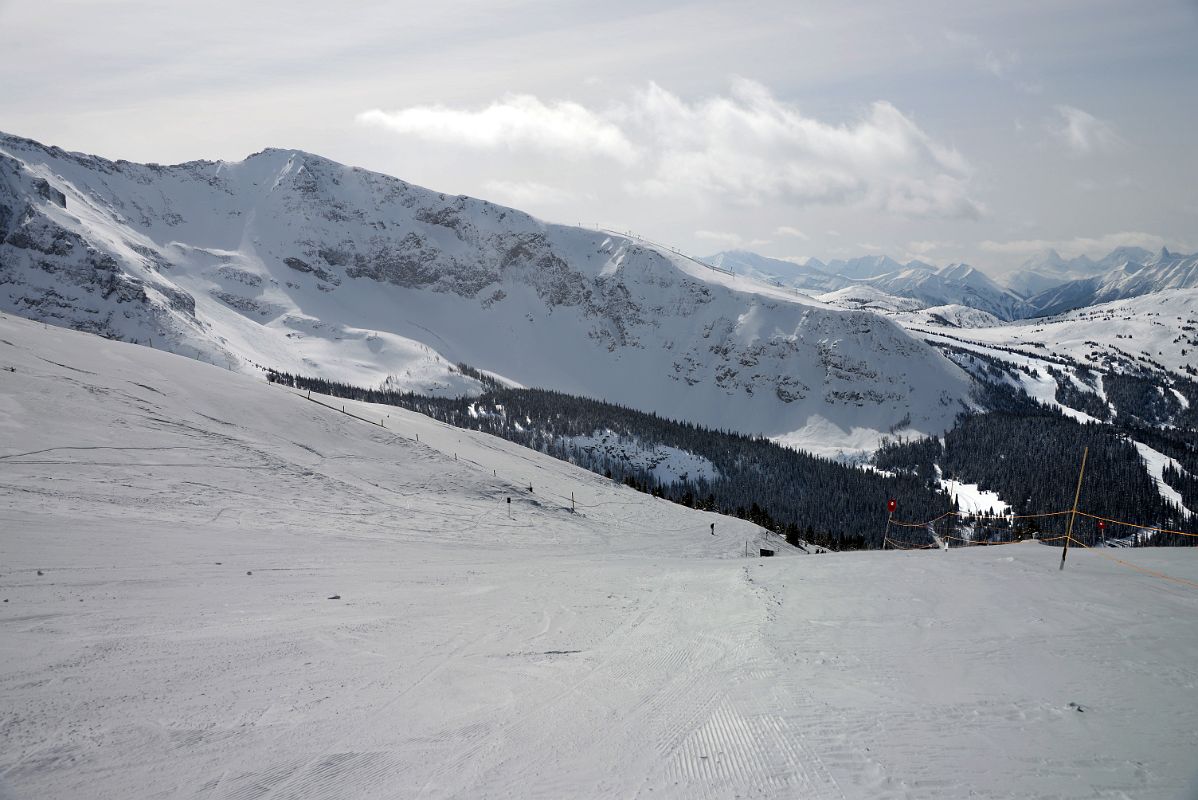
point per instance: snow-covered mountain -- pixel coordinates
(950, 316)
(870, 298)
(1046, 284)
(1132, 272)
(292, 261)
(1049, 269)
(810, 277)
(1153, 337)
(955, 284)
(870, 266)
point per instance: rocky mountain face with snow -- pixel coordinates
(1128, 272)
(955, 284)
(291, 261)
(1049, 269)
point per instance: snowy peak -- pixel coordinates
(1133, 272)
(292, 261)
(1124, 255)
(958, 284)
(869, 266)
(811, 276)
(1046, 284)
(1047, 261)
(955, 284)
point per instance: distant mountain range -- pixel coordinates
(1129, 275)
(1044, 285)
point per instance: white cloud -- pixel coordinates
(527, 192)
(787, 230)
(1083, 133)
(516, 122)
(747, 148)
(753, 149)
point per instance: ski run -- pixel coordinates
(216, 588)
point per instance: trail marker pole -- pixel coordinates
(1073, 515)
(571, 502)
(891, 507)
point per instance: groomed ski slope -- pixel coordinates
(620, 651)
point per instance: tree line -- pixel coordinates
(795, 494)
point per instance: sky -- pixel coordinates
(944, 131)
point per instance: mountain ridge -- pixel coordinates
(291, 261)
(1046, 284)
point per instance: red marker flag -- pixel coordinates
(891, 505)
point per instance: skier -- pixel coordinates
(713, 529)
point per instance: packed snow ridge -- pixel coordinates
(214, 587)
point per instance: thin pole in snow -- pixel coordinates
(1073, 515)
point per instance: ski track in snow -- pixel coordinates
(620, 651)
(1155, 462)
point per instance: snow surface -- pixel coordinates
(1155, 462)
(870, 298)
(973, 499)
(952, 316)
(668, 464)
(621, 651)
(1142, 328)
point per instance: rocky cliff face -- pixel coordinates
(292, 261)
